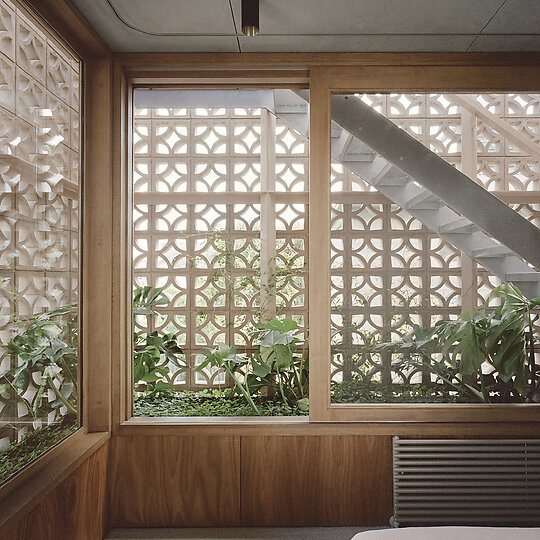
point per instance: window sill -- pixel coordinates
(229, 425)
(301, 425)
(23, 491)
(215, 420)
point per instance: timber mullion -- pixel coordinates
(319, 246)
(121, 331)
(97, 248)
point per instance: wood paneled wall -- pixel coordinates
(190, 481)
(277, 475)
(316, 481)
(175, 481)
(224, 480)
(75, 510)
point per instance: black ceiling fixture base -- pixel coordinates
(250, 17)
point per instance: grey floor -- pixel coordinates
(268, 533)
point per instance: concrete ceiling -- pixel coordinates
(317, 25)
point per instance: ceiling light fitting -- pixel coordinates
(250, 17)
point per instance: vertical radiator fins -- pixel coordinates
(466, 482)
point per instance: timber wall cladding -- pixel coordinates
(189, 481)
(175, 481)
(316, 480)
(74, 510)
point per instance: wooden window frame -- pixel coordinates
(328, 73)
(126, 80)
(408, 78)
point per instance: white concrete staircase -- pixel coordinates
(447, 201)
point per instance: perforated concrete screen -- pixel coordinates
(39, 223)
(222, 192)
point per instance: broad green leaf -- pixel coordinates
(51, 330)
(138, 373)
(303, 404)
(151, 377)
(22, 379)
(280, 325)
(283, 356)
(261, 369)
(67, 389)
(275, 337)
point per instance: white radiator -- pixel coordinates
(466, 482)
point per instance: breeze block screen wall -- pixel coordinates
(39, 217)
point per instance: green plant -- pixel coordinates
(358, 389)
(150, 350)
(46, 353)
(488, 357)
(280, 366)
(207, 403)
(19, 454)
(514, 301)
(225, 357)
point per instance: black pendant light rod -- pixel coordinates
(250, 17)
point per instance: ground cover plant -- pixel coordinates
(208, 403)
(31, 446)
(357, 390)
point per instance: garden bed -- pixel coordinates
(221, 403)
(19, 454)
(207, 403)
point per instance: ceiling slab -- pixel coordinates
(317, 25)
(516, 17)
(174, 17)
(121, 38)
(374, 16)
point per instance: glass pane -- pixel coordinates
(220, 223)
(414, 318)
(39, 236)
